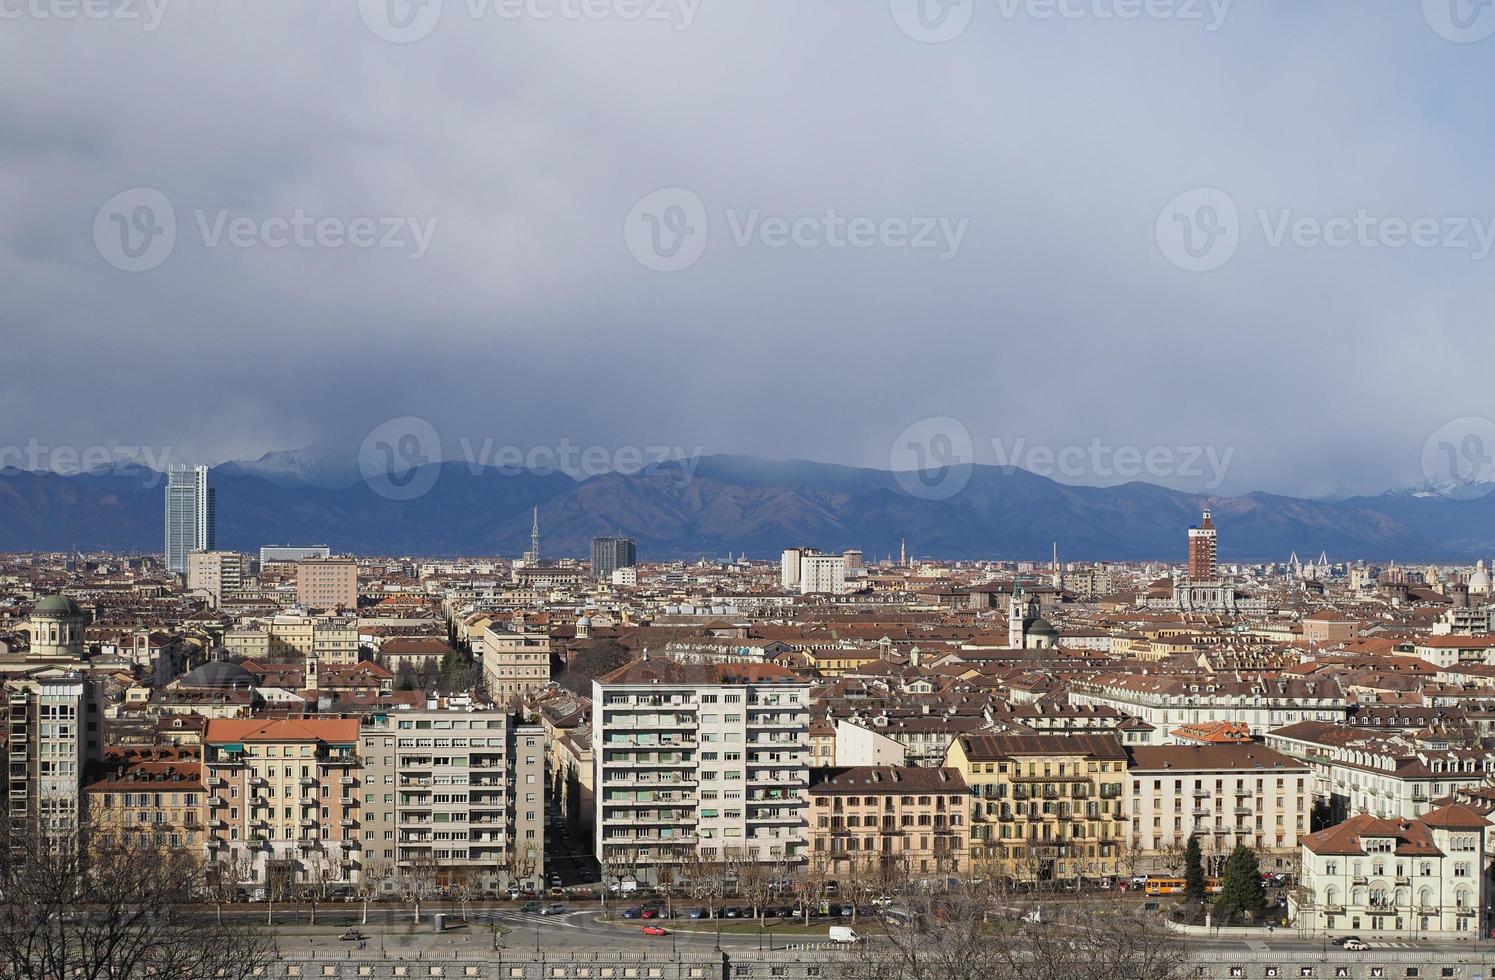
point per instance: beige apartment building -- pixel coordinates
(331, 640)
(900, 823)
(1226, 794)
(456, 791)
(515, 664)
(216, 573)
(284, 806)
(327, 583)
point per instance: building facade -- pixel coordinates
(699, 762)
(1422, 878)
(896, 823)
(1224, 794)
(330, 584)
(1045, 807)
(611, 554)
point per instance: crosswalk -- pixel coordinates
(1373, 944)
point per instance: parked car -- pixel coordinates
(555, 881)
(1347, 939)
(733, 913)
(700, 913)
(557, 892)
(655, 931)
(649, 912)
(632, 913)
(831, 887)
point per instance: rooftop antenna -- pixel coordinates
(534, 539)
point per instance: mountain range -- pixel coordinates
(719, 505)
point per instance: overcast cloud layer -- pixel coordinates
(501, 156)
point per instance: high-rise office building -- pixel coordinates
(190, 516)
(611, 554)
(1202, 551)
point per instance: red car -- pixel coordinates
(656, 931)
(650, 913)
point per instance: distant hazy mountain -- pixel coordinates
(731, 504)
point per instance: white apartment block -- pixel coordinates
(1225, 794)
(699, 762)
(807, 571)
(217, 573)
(53, 735)
(1166, 701)
(1412, 879)
(1386, 776)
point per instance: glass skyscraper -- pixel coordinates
(190, 516)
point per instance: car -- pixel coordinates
(1355, 945)
(882, 901)
(700, 913)
(831, 887)
(733, 913)
(649, 912)
(513, 894)
(655, 931)
(844, 934)
(848, 910)
(531, 907)
(555, 881)
(554, 908)
(351, 936)
(557, 892)
(1347, 939)
(633, 913)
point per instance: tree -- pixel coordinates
(417, 882)
(1193, 871)
(370, 883)
(93, 905)
(1241, 889)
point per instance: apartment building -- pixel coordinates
(515, 664)
(1225, 794)
(216, 573)
(1045, 807)
(894, 822)
(327, 583)
(284, 809)
(699, 762)
(331, 639)
(454, 791)
(53, 735)
(1168, 701)
(158, 791)
(1419, 879)
(1384, 775)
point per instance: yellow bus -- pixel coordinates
(1164, 885)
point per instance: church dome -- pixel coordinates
(1480, 581)
(55, 606)
(217, 673)
(1042, 627)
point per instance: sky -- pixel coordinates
(1218, 246)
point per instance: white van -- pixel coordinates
(844, 934)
